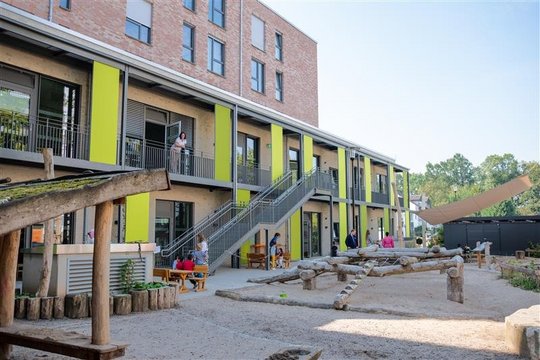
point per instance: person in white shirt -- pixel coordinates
(177, 149)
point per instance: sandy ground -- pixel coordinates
(396, 317)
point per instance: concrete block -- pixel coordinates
(522, 332)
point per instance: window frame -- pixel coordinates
(259, 76)
(65, 4)
(279, 89)
(263, 33)
(192, 8)
(212, 10)
(211, 58)
(278, 46)
(185, 47)
(139, 25)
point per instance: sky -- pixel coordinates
(422, 81)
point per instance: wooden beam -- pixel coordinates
(416, 267)
(16, 215)
(9, 249)
(100, 274)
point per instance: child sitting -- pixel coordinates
(279, 255)
(189, 265)
(179, 263)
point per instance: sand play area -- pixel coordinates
(397, 317)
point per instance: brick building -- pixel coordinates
(109, 85)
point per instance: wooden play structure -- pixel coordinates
(24, 204)
(374, 261)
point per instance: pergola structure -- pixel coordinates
(27, 203)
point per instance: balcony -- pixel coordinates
(359, 195)
(379, 198)
(253, 175)
(26, 133)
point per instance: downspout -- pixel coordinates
(123, 123)
(234, 160)
(51, 4)
(241, 76)
(353, 193)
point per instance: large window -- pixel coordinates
(257, 32)
(65, 4)
(294, 162)
(279, 86)
(216, 62)
(188, 43)
(257, 76)
(189, 4)
(316, 162)
(139, 20)
(247, 158)
(381, 184)
(216, 12)
(279, 47)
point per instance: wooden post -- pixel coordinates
(400, 219)
(454, 283)
(9, 248)
(46, 310)
(58, 307)
(100, 274)
(32, 308)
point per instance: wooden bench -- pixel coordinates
(529, 251)
(162, 273)
(58, 341)
(256, 259)
(201, 280)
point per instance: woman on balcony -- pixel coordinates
(177, 149)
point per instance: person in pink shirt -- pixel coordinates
(388, 241)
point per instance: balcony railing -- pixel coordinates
(379, 198)
(359, 195)
(253, 175)
(26, 133)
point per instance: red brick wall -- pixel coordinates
(105, 20)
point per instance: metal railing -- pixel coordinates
(215, 221)
(379, 198)
(253, 175)
(27, 133)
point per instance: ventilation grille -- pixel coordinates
(79, 273)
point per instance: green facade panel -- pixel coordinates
(223, 124)
(137, 217)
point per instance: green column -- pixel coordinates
(277, 151)
(104, 113)
(367, 174)
(386, 220)
(363, 224)
(295, 223)
(406, 189)
(223, 125)
(343, 230)
(243, 196)
(137, 217)
(308, 153)
(407, 223)
(392, 178)
(342, 174)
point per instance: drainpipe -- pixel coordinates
(234, 160)
(122, 147)
(51, 4)
(241, 76)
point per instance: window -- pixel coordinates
(257, 32)
(215, 56)
(257, 76)
(139, 20)
(381, 184)
(189, 4)
(188, 43)
(216, 12)
(279, 47)
(279, 86)
(247, 157)
(316, 162)
(65, 4)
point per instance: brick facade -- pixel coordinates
(104, 20)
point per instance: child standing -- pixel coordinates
(279, 255)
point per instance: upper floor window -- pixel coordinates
(279, 86)
(216, 12)
(316, 162)
(65, 4)
(188, 43)
(279, 47)
(257, 32)
(139, 20)
(189, 4)
(257, 76)
(381, 185)
(216, 63)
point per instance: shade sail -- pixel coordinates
(459, 209)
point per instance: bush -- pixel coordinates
(524, 282)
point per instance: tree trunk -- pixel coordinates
(153, 299)
(407, 260)
(343, 297)
(46, 311)
(161, 299)
(289, 275)
(166, 297)
(122, 304)
(46, 265)
(32, 308)
(416, 267)
(20, 307)
(58, 307)
(139, 301)
(393, 254)
(76, 306)
(454, 283)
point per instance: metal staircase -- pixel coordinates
(232, 224)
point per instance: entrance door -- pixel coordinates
(173, 218)
(312, 234)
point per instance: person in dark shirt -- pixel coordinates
(351, 240)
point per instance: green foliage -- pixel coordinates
(126, 275)
(149, 285)
(455, 179)
(524, 282)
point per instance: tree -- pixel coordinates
(528, 203)
(456, 171)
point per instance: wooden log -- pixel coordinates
(289, 275)
(338, 260)
(76, 306)
(407, 260)
(100, 274)
(307, 274)
(153, 299)
(111, 305)
(89, 299)
(9, 249)
(139, 300)
(46, 310)
(58, 307)
(319, 266)
(341, 276)
(435, 249)
(32, 308)
(166, 297)
(161, 298)
(175, 290)
(343, 297)
(420, 255)
(417, 267)
(309, 284)
(454, 283)
(347, 269)
(122, 304)
(20, 307)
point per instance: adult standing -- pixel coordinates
(351, 241)
(177, 149)
(388, 241)
(369, 239)
(201, 241)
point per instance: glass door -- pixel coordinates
(14, 118)
(312, 234)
